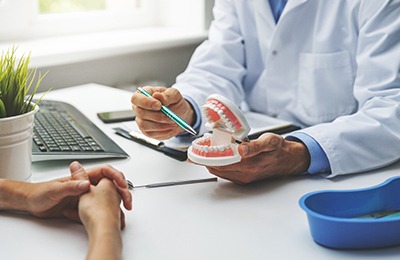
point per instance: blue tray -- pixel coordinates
(355, 219)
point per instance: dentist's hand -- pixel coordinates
(268, 156)
(151, 121)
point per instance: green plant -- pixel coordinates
(16, 81)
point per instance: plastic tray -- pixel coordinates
(355, 219)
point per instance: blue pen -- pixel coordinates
(179, 121)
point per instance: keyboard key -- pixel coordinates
(61, 130)
(55, 130)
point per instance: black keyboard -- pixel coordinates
(62, 132)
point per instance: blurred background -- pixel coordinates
(119, 43)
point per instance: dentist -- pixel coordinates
(332, 67)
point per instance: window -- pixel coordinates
(40, 18)
(69, 6)
(66, 31)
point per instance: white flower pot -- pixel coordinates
(16, 146)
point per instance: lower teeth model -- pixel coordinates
(227, 124)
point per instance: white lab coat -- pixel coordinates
(330, 66)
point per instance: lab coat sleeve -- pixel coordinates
(369, 138)
(217, 64)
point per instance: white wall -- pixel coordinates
(120, 71)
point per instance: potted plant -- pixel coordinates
(17, 111)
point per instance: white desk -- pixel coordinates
(217, 220)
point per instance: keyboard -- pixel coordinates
(62, 132)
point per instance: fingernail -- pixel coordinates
(75, 166)
(155, 106)
(245, 150)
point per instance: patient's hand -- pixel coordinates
(95, 174)
(56, 198)
(99, 212)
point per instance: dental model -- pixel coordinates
(228, 125)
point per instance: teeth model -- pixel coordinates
(203, 147)
(227, 124)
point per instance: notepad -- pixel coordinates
(260, 123)
(175, 147)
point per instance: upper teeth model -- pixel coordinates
(227, 124)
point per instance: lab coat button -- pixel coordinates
(274, 52)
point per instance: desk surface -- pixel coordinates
(217, 220)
